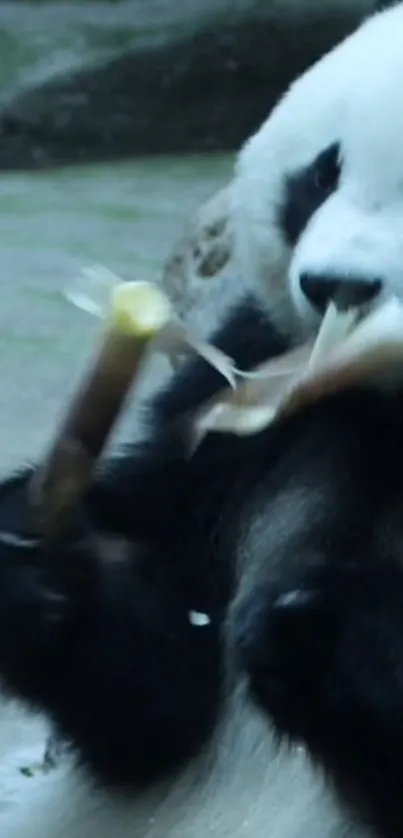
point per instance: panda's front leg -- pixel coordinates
(247, 335)
(325, 660)
(107, 650)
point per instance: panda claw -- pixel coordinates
(296, 599)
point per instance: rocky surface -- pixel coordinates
(160, 77)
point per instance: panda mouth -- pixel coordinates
(355, 346)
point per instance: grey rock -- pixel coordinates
(197, 82)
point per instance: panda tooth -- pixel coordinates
(336, 325)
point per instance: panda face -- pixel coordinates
(319, 189)
(343, 214)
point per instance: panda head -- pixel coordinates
(318, 190)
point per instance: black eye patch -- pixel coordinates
(306, 190)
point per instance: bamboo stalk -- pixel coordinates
(138, 312)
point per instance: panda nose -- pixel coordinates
(321, 289)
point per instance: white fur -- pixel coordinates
(227, 794)
(352, 96)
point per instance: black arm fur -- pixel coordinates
(290, 540)
(106, 648)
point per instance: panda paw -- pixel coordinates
(285, 642)
(323, 654)
(325, 663)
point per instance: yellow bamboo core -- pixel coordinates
(139, 309)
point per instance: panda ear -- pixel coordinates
(203, 253)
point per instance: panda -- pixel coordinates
(252, 592)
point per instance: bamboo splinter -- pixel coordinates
(138, 312)
(350, 350)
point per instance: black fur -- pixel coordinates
(291, 540)
(306, 190)
(247, 336)
(107, 649)
(322, 637)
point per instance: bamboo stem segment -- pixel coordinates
(138, 312)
